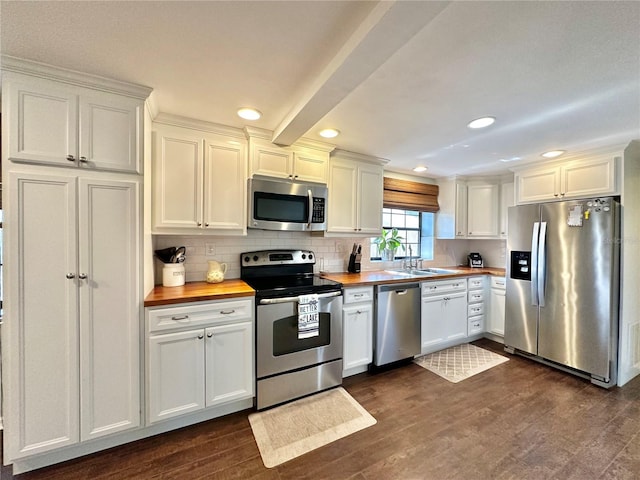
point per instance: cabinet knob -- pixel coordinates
(555, 194)
(209, 335)
(71, 158)
(502, 233)
(199, 224)
(358, 312)
(70, 275)
(83, 159)
(82, 276)
(562, 194)
(206, 224)
(200, 336)
(470, 233)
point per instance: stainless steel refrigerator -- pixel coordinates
(562, 291)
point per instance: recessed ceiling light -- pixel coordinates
(329, 133)
(481, 122)
(420, 168)
(553, 153)
(249, 113)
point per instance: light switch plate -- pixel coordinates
(209, 249)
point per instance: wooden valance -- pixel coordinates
(410, 195)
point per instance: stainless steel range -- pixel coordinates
(298, 325)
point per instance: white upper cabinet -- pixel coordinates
(482, 210)
(451, 219)
(199, 181)
(305, 161)
(54, 123)
(507, 199)
(355, 197)
(573, 179)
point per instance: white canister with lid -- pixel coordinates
(173, 275)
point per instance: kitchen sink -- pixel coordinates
(423, 272)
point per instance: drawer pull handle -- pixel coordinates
(184, 317)
(227, 312)
(358, 295)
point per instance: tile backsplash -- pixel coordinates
(332, 254)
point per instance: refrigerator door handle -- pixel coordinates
(534, 263)
(542, 262)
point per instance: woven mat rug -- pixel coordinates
(290, 430)
(460, 362)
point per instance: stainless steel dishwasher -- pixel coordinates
(397, 326)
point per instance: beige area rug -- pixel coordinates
(460, 362)
(290, 430)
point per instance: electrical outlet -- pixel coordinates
(209, 249)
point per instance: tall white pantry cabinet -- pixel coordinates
(72, 155)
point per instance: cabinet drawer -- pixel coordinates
(475, 296)
(476, 283)
(475, 309)
(498, 282)
(444, 286)
(476, 325)
(359, 294)
(188, 316)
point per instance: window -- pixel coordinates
(414, 227)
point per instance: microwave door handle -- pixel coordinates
(310, 217)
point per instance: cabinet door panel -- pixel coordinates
(176, 374)
(343, 180)
(42, 118)
(310, 166)
(461, 210)
(506, 200)
(225, 173)
(585, 178)
(357, 324)
(229, 367)
(456, 314)
(109, 306)
(177, 179)
(497, 312)
(482, 211)
(109, 127)
(369, 199)
(434, 322)
(40, 340)
(268, 159)
(537, 185)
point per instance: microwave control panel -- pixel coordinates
(318, 210)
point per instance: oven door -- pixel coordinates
(278, 347)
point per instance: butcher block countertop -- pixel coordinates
(197, 292)
(378, 277)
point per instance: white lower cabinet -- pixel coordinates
(497, 307)
(475, 307)
(357, 321)
(443, 314)
(190, 368)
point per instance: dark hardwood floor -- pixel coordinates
(519, 420)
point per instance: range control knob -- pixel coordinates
(304, 256)
(246, 259)
(310, 257)
(255, 258)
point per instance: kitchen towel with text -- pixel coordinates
(308, 316)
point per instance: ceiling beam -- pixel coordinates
(388, 27)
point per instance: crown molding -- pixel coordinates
(608, 151)
(255, 132)
(360, 157)
(200, 125)
(72, 77)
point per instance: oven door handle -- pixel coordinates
(271, 301)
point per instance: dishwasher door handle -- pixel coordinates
(401, 292)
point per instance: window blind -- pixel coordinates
(410, 195)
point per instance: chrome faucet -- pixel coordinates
(411, 265)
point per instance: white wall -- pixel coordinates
(332, 254)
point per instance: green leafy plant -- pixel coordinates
(389, 240)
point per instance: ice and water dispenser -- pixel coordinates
(521, 265)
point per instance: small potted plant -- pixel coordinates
(388, 243)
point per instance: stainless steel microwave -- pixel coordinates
(286, 205)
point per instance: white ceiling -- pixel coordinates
(400, 80)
